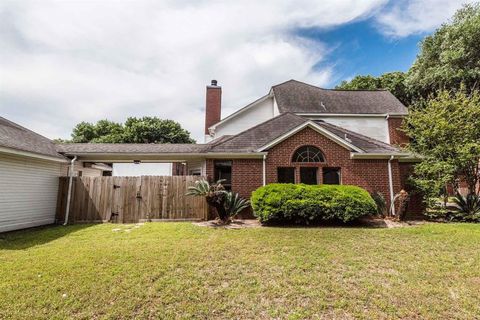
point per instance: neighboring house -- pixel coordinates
(297, 133)
(29, 171)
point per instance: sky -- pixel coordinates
(63, 62)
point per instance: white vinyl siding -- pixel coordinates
(256, 114)
(374, 127)
(28, 192)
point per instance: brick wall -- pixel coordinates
(397, 137)
(416, 206)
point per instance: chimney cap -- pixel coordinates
(214, 83)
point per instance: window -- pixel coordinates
(308, 154)
(331, 175)
(286, 175)
(308, 175)
(223, 171)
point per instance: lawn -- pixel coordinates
(179, 270)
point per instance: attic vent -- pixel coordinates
(347, 138)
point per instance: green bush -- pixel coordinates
(300, 203)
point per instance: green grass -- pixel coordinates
(178, 270)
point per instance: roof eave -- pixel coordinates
(18, 152)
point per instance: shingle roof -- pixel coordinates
(299, 97)
(78, 148)
(259, 135)
(19, 138)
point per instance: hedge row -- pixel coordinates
(300, 203)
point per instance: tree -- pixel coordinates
(135, 130)
(445, 131)
(155, 130)
(449, 57)
(391, 81)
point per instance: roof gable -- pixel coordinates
(298, 97)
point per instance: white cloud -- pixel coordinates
(62, 62)
(403, 18)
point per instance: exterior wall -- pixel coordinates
(78, 167)
(397, 137)
(196, 166)
(28, 192)
(374, 127)
(257, 114)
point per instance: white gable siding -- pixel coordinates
(374, 127)
(28, 192)
(258, 113)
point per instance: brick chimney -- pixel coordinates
(213, 107)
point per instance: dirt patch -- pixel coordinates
(235, 224)
(388, 223)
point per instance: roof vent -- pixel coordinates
(323, 106)
(347, 138)
(214, 83)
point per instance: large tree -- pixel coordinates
(135, 130)
(450, 57)
(445, 131)
(391, 81)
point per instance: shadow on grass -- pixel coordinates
(359, 223)
(27, 238)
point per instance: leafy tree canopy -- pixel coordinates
(445, 131)
(391, 81)
(135, 130)
(449, 57)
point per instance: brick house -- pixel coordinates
(296, 133)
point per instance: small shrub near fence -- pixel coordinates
(299, 203)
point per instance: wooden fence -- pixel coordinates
(130, 199)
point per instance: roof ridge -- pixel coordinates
(330, 89)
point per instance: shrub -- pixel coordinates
(299, 203)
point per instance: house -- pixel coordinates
(296, 133)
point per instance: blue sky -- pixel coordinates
(359, 48)
(63, 62)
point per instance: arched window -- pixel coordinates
(308, 154)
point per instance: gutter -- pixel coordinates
(390, 184)
(264, 173)
(69, 194)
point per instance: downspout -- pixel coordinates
(69, 193)
(264, 169)
(390, 184)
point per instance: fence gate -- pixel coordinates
(130, 199)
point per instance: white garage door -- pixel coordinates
(28, 192)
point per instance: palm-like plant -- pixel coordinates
(234, 204)
(469, 205)
(227, 204)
